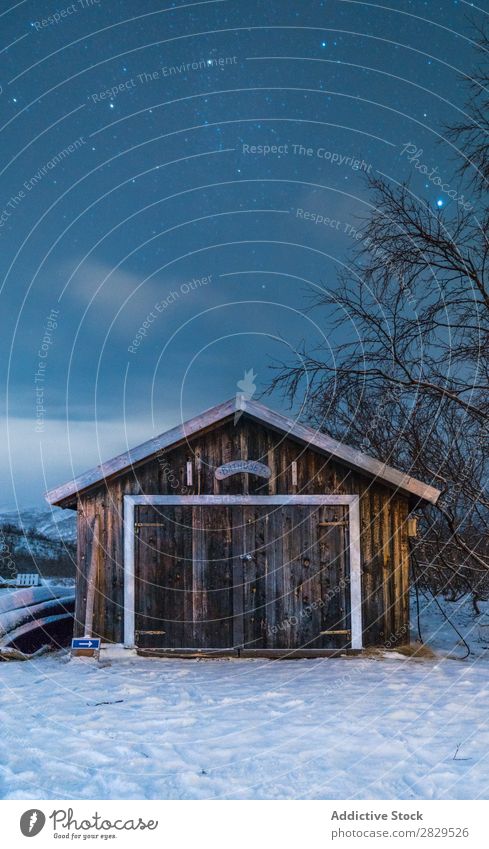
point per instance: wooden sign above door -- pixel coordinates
(238, 467)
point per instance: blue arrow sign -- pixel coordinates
(85, 643)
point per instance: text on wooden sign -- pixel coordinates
(248, 467)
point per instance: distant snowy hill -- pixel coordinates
(53, 523)
(37, 539)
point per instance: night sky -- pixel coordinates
(177, 179)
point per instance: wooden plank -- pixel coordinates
(187, 653)
(367, 569)
(271, 462)
(377, 597)
(243, 455)
(272, 654)
(312, 586)
(114, 602)
(275, 579)
(199, 609)
(309, 567)
(92, 577)
(83, 519)
(253, 569)
(169, 574)
(336, 612)
(237, 571)
(405, 564)
(388, 566)
(289, 608)
(185, 555)
(218, 579)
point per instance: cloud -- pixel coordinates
(109, 289)
(31, 462)
(123, 293)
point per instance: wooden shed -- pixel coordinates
(243, 532)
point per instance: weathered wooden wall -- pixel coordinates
(385, 556)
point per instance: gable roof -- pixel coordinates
(67, 493)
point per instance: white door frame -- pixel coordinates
(350, 501)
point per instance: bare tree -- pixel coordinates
(410, 378)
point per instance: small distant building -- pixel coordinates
(243, 532)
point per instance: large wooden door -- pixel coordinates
(164, 577)
(242, 577)
(295, 578)
(184, 577)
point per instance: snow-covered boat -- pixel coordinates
(36, 616)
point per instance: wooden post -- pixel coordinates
(92, 577)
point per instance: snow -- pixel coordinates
(25, 597)
(377, 726)
(440, 635)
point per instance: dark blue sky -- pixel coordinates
(136, 192)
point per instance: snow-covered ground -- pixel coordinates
(329, 728)
(440, 635)
(384, 726)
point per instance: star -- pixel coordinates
(440, 202)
